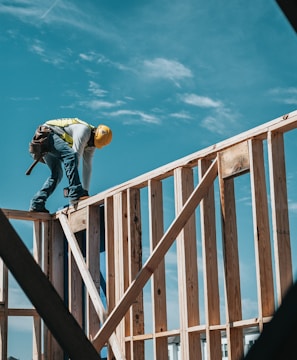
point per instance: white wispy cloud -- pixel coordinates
(217, 124)
(201, 101)
(100, 104)
(286, 95)
(293, 207)
(27, 10)
(166, 69)
(280, 91)
(249, 308)
(246, 200)
(97, 58)
(17, 298)
(132, 116)
(20, 324)
(33, 98)
(290, 101)
(92, 56)
(95, 89)
(65, 12)
(223, 121)
(220, 119)
(38, 47)
(20, 8)
(181, 115)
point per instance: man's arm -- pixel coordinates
(81, 134)
(88, 155)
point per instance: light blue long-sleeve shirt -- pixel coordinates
(80, 134)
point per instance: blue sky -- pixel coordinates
(169, 77)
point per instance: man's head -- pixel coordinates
(103, 136)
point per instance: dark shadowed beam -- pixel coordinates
(43, 295)
(289, 8)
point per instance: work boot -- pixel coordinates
(83, 196)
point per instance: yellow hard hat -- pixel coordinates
(103, 136)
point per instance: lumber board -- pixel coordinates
(3, 309)
(162, 334)
(3, 283)
(37, 339)
(210, 266)
(230, 251)
(22, 312)
(187, 248)
(124, 250)
(235, 160)
(120, 210)
(3, 336)
(56, 250)
(157, 255)
(135, 259)
(263, 257)
(231, 265)
(187, 268)
(26, 215)
(46, 241)
(37, 254)
(55, 269)
(78, 219)
(93, 264)
(280, 216)
(43, 295)
(158, 286)
(75, 283)
(110, 257)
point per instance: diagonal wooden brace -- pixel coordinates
(89, 283)
(43, 295)
(157, 255)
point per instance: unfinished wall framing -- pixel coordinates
(169, 246)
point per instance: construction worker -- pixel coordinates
(69, 140)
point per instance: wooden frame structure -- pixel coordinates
(205, 215)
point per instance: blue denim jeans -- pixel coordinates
(60, 153)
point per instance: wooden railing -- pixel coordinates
(183, 257)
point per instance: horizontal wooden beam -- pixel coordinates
(43, 295)
(26, 215)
